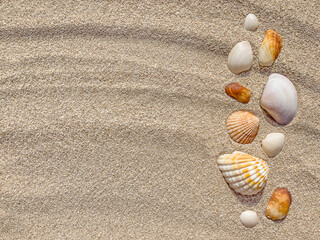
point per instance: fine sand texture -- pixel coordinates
(113, 116)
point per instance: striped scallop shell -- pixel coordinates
(244, 173)
(270, 48)
(243, 126)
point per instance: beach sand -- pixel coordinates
(113, 116)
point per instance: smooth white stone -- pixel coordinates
(251, 22)
(249, 218)
(273, 144)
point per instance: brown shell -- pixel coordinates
(243, 126)
(270, 48)
(238, 92)
(279, 204)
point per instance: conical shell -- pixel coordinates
(243, 126)
(270, 48)
(244, 173)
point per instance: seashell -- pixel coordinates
(240, 58)
(249, 218)
(279, 204)
(244, 173)
(272, 144)
(238, 92)
(243, 126)
(251, 22)
(280, 99)
(270, 48)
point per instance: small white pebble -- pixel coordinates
(249, 218)
(251, 22)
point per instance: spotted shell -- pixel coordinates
(243, 126)
(244, 173)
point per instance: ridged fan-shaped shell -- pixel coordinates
(243, 126)
(244, 173)
(270, 48)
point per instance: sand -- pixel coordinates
(113, 115)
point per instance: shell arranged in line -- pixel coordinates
(251, 22)
(240, 58)
(249, 218)
(280, 98)
(270, 48)
(243, 126)
(273, 144)
(238, 92)
(279, 204)
(244, 173)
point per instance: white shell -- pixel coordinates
(251, 22)
(240, 58)
(280, 99)
(273, 143)
(244, 173)
(249, 218)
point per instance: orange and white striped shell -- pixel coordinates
(270, 48)
(243, 126)
(244, 173)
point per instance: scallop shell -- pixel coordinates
(240, 58)
(243, 126)
(270, 48)
(280, 98)
(244, 173)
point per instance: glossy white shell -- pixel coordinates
(249, 218)
(251, 22)
(244, 173)
(273, 144)
(240, 58)
(280, 99)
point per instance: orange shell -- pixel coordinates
(238, 92)
(243, 126)
(270, 48)
(279, 204)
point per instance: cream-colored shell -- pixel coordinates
(249, 218)
(251, 22)
(243, 126)
(240, 58)
(244, 173)
(273, 144)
